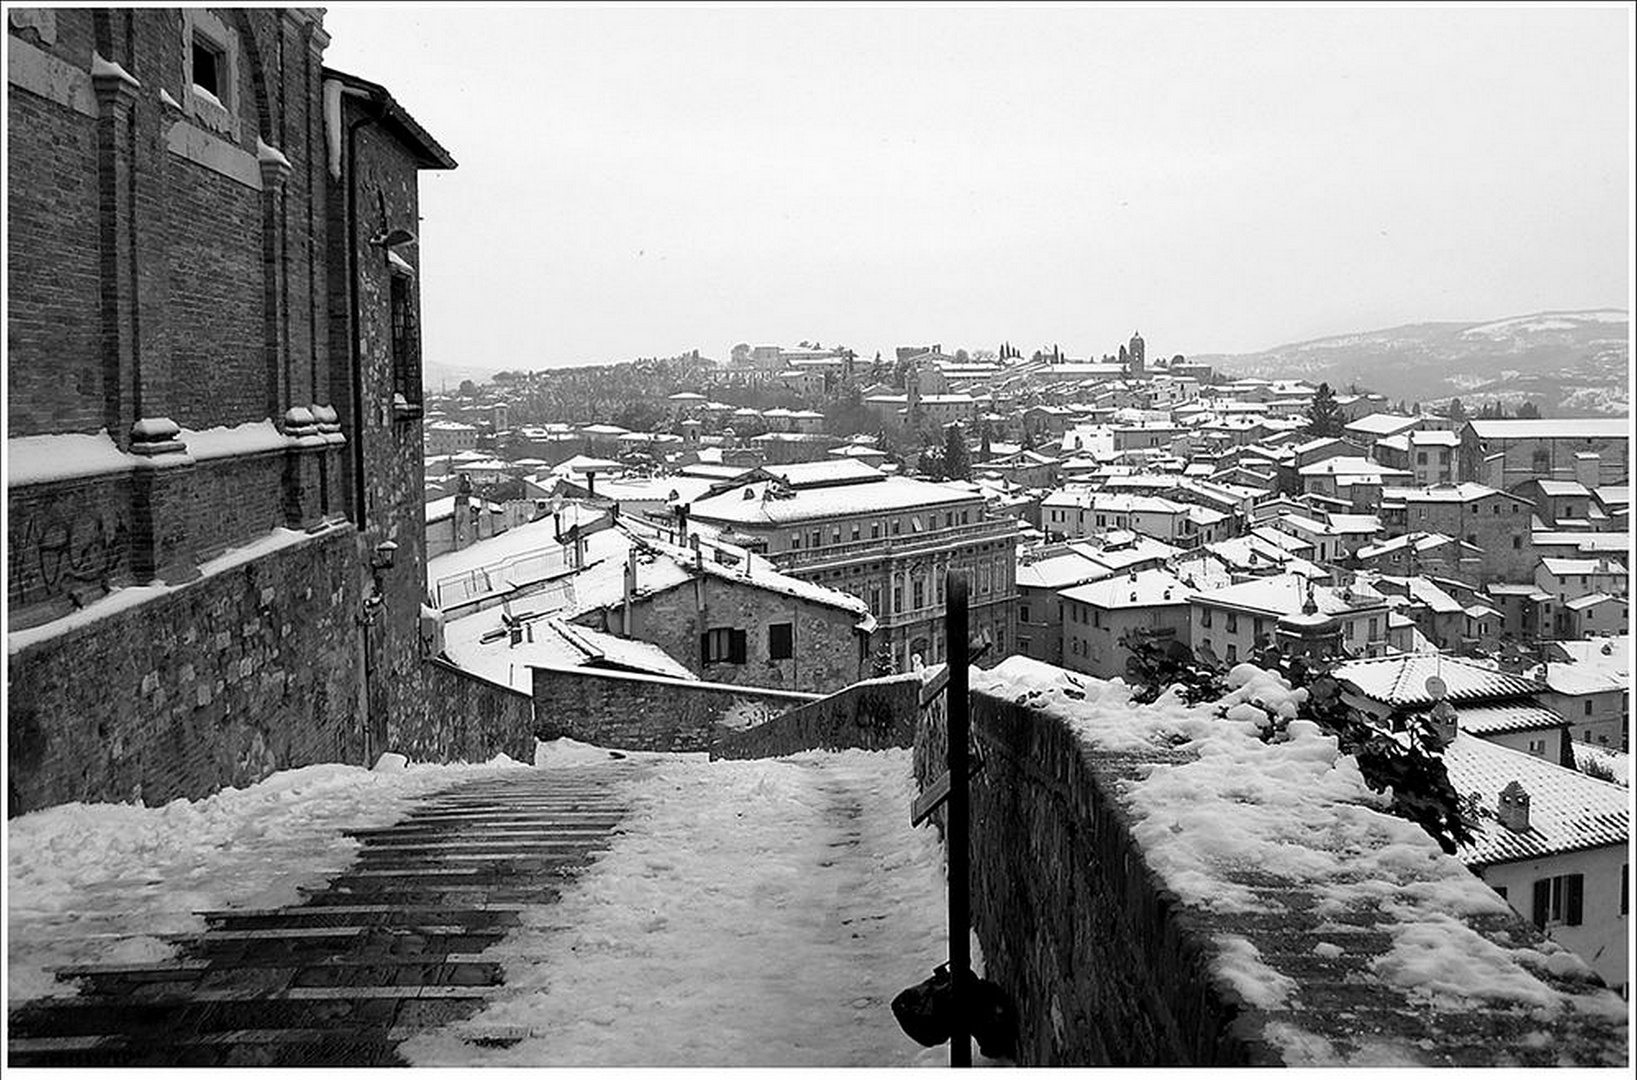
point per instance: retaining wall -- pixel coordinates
(1108, 967)
(626, 711)
(871, 715)
(214, 683)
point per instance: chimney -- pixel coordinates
(1588, 468)
(698, 554)
(591, 483)
(1512, 807)
(630, 589)
(1444, 722)
(463, 512)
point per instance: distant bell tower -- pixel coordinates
(1136, 354)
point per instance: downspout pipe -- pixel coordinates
(360, 502)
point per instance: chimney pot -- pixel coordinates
(1512, 807)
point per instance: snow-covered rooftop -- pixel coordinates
(548, 643)
(1145, 588)
(1401, 680)
(1568, 810)
(1060, 571)
(1382, 424)
(1578, 427)
(1285, 594)
(759, 503)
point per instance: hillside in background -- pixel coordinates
(1566, 362)
(436, 377)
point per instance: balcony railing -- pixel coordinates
(888, 546)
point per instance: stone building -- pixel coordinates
(886, 540)
(214, 412)
(1496, 523)
(1504, 453)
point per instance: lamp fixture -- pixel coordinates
(393, 238)
(385, 555)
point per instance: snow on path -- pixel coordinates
(95, 883)
(750, 913)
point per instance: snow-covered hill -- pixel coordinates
(1566, 362)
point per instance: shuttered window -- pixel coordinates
(1559, 900)
(722, 646)
(781, 641)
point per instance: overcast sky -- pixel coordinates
(643, 181)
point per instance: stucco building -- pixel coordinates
(887, 540)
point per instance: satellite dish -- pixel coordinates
(1436, 688)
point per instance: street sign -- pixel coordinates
(940, 681)
(1436, 688)
(935, 795)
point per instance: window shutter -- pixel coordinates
(704, 649)
(736, 647)
(1543, 902)
(1572, 902)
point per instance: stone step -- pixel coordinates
(348, 1013)
(355, 909)
(483, 828)
(521, 844)
(157, 968)
(348, 930)
(376, 916)
(543, 888)
(538, 853)
(546, 814)
(391, 946)
(167, 971)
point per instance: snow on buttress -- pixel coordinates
(102, 883)
(748, 913)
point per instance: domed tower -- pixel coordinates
(1135, 351)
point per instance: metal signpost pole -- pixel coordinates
(960, 959)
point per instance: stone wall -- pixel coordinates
(638, 712)
(828, 653)
(217, 682)
(465, 718)
(872, 715)
(1108, 967)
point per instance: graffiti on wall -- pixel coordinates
(58, 548)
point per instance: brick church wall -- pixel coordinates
(214, 683)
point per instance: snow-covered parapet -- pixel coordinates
(1219, 899)
(42, 459)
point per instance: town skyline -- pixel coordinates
(1241, 178)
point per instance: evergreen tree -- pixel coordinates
(1528, 411)
(957, 459)
(1324, 415)
(1456, 410)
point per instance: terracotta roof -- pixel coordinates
(1527, 715)
(1401, 680)
(1568, 811)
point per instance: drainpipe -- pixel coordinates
(357, 358)
(356, 378)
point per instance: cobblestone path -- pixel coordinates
(386, 950)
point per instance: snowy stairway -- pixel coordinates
(388, 948)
